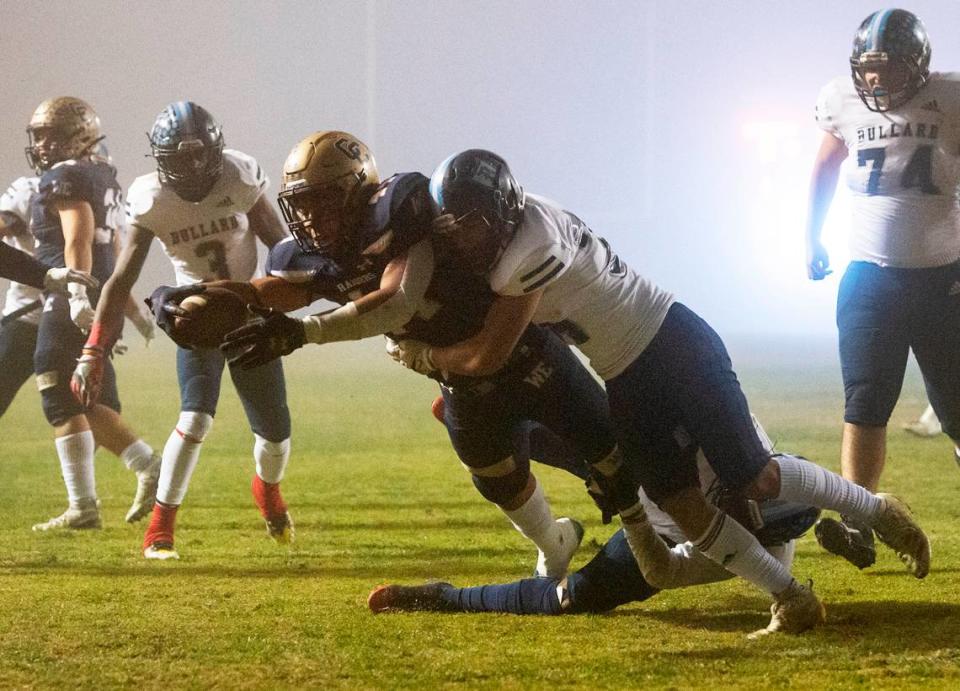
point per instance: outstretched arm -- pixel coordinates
(823, 185)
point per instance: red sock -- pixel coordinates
(161, 525)
(268, 498)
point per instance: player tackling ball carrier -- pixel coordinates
(205, 204)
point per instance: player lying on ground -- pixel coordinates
(365, 246)
(663, 367)
(613, 577)
(75, 216)
(206, 207)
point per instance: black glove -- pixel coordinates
(164, 303)
(272, 335)
(607, 509)
(613, 493)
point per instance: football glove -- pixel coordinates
(164, 303)
(87, 379)
(272, 335)
(56, 280)
(81, 311)
(415, 355)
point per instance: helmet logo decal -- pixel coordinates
(349, 149)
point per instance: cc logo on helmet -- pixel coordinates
(350, 149)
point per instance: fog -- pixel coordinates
(683, 132)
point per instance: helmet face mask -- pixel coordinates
(327, 180)
(479, 207)
(890, 62)
(187, 143)
(61, 129)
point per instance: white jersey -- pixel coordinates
(16, 200)
(206, 240)
(594, 300)
(904, 172)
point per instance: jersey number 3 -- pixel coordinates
(917, 173)
(216, 254)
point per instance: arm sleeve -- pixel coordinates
(347, 324)
(21, 267)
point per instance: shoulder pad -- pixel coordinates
(141, 198)
(16, 200)
(828, 107)
(287, 261)
(397, 216)
(67, 180)
(535, 257)
(249, 179)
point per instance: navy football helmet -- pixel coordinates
(893, 45)
(478, 204)
(187, 142)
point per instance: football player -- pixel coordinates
(663, 367)
(613, 577)
(74, 217)
(365, 246)
(205, 204)
(901, 290)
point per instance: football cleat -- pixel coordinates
(554, 565)
(897, 529)
(795, 610)
(280, 528)
(84, 516)
(927, 425)
(160, 551)
(848, 539)
(146, 496)
(409, 598)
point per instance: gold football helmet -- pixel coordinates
(327, 179)
(60, 129)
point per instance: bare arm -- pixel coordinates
(11, 224)
(265, 224)
(76, 219)
(115, 298)
(488, 350)
(823, 185)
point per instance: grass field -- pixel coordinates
(377, 496)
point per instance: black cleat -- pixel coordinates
(410, 598)
(848, 539)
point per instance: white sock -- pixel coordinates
(76, 464)
(137, 456)
(736, 549)
(535, 522)
(807, 483)
(271, 458)
(180, 456)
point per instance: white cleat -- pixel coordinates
(897, 529)
(160, 551)
(555, 564)
(927, 425)
(795, 610)
(146, 496)
(84, 516)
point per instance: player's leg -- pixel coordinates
(936, 344)
(873, 321)
(59, 343)
(18, 342)
(684, 377)
(112, 432)
(481, 426)
(199, 373)
(263, 393)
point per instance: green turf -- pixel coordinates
(377, 496)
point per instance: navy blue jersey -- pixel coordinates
(396, 217)
(93, 181)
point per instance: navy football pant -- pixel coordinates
(685, 379)
(262, 390)
(18, 341)
(883, 313)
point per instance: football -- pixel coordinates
(212, 314)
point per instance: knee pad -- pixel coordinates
(194, 426)
(271, 458)
(57, 400)
(502, 481)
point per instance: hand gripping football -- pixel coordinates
(211, 315)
